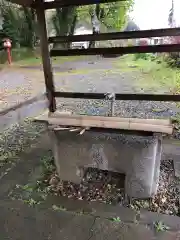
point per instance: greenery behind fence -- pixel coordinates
(20, 24)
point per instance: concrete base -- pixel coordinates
(138, 157)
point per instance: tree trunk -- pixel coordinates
(95, 24)
(65, 22)
(30, 20)
(72, 28)
(34, 28)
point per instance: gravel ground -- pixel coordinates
(104, 76)
(167, 199)
(15, 139)
(92, 75)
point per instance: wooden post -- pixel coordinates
(48, 75)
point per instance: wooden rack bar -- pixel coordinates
(67, 3)
(120, 96)
(48, 75)
(51, 93)
(116, 50)
(117, 35)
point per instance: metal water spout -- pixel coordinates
(111, 97)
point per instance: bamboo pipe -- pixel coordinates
(126, 125)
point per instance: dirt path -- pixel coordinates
(17, 85)
(98, 75)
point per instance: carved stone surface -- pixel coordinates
(138, 157)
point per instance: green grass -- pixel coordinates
(150, 75)
(34, 61)
(28, 57)
(159, 226)
(17, 55)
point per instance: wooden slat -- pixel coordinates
(116, 50)
(67, 3)
(121, 96)
(117, 35)
(105, 122)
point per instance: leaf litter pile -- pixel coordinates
(108, 187)
(97, 185)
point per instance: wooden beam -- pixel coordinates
(117, 35)
(120, 96)
(67, 3)
(46, 59)
(116, 50)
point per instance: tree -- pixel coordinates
(10, 26)
(28, 28)
(111, 15)
(171, 20)
(94, 22)
(19, 24)
(64, 21)
(173, 57)
(114, 15)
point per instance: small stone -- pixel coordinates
(53, 181)
(163, 200)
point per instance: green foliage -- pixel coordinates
(111, 15)
(173, 60)
(160, 226)
(28, 28)
(10, 25)
(144, 56)
(58, 208)
(83, 14)
(19, 24)
(116, 219)
(64, 21)
(31, 202)
(19, 54)
(114, 15)
(48, 164)
(138, 56)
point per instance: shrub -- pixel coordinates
(144, 56)
(173, 60)
(18, 54)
